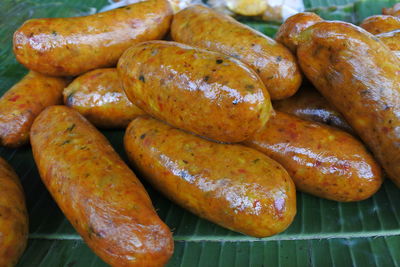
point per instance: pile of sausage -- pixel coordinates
(213, 121)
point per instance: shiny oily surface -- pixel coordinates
(97, 192)
(99, 97)
(13, 217)
(72, 46)
(197, 90)
(203, 27)
(321, 160)
(289, 31)
(316, 221)
(20, 105)
(309, 104)
(231, 185)
(380, 23)
(359, 75)
(391, 39)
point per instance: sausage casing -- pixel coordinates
(234, 186)
(13, 217)
(380, 23)
(289, 31)
(309, 104)
(97, 192)
(72, 46)
(321, 160)
(197, 90)
(99, 97)
(359, 75)
(203, 27)
(20, 105)
(391, 39)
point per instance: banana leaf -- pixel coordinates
(324, 233)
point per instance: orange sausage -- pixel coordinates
(72, 46)
(391, 39)
(359, 75)
(231, 185)
(309, 104)
(99, 97)
(322, 161)
(97, 192)
(20, 105)
(380, 23)
(203, 27)
(13, 217)
(288, 32)
(197, 90)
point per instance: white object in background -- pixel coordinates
(291, 7)
(176, 4)
(247, 7)
(220, 6)
(269, 10)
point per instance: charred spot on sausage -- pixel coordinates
(70, 128)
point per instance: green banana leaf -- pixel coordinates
(324, 233)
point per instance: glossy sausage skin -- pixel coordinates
(359, 75)
(72, 46)
(288, 32)
(197, 90)
(380, 23)
(20, 105)
(97, 192)
(13, 217)
(99, 97)
(391, 39)
(309, 104)
(203, 27)
(231, 185)
(321, 160)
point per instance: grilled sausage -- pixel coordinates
(359, 75)
(20, 105)
(204, 92)
(321, 160)
(380, 23)
(97, 192)
(13, 217)
(309, 104)
(203, 27)
(288, 32)
(391, 39)
(99, 97)
(231, 185)
(72, 46)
